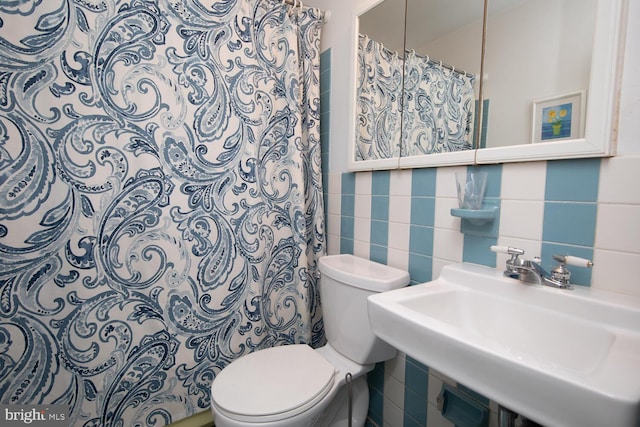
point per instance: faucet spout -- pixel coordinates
(532, 272)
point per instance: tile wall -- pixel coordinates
(402, 218)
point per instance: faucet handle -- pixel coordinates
(561, 273)
(573, 260)
(514, 252)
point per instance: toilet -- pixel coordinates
(295, 385)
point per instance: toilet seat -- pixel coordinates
(272, 384)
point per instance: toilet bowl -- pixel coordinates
(296, 385)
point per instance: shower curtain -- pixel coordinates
(378, 98)
(161, 207)
(431, 111)
(439, 105)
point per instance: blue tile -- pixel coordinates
(579, 275)
(347, 204)
(423, 211)
(379, 232)
(494, 179)
(410, 422)
(416, 374)
(421, 240)
(569, 223)
(346, 245)
(375, 379)
(325, 83)
(378, 253)
(423, 182)
(348, 183)
(346, 226)
(325, 60)
(325, 100)
(420, 268)
(573, 180)
(376, 406)
(380, 183)
(476, 250)
(415, 408)
(380, 207)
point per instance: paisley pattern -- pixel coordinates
(378, 98)
(437, 107)
(161, 207)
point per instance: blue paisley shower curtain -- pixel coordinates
(409, 105)
(378, 98)
(161, 206)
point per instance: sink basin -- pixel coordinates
(558, 357)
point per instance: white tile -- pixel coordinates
(523, 181)
(398, 258)
(447, 244)
(618, 228)
(618, 179)
(396, 367)
(442, 214)
(435, 418)
(361, 249)
(393, 415)
(394, 390)
(362, 229)
(613, 271)
(443, 377)
(333, 244)
(434, 389)
(334, 202)
(363, 182)
(399, 236)
(446, 181)
(362, 206)
(400, 182)
(400, 209)
(521, 219)
(333, 224)
(335, 183)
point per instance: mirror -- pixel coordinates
(546, 63)
(550, 74)
(442, 81)
(378, 86)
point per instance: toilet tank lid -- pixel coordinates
(363, 273)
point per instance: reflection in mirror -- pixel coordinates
(442, 65)
(379, 81)
(537, 62)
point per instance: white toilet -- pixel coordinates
(296, 385)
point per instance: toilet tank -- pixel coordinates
(345, 283)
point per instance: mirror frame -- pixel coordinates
(600, 134)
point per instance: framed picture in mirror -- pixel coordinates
(559, 117)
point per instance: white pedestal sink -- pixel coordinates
(558, 357)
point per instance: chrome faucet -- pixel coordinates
(530, 271)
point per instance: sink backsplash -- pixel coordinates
(583, 207)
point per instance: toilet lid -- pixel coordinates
(272, 384)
